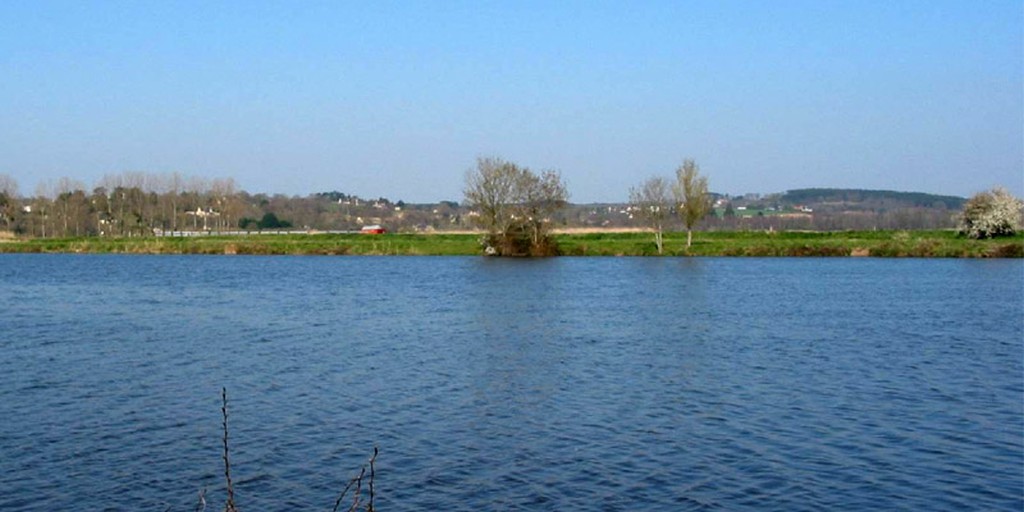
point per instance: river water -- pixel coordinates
(560, 384)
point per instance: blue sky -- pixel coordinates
(398, 99)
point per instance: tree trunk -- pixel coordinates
(65, 215)
(659, 241)
(689, 238)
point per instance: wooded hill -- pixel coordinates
(875, 200)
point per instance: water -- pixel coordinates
(563, 384)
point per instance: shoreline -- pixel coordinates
(913, 244)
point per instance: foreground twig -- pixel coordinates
(337, 503)
(201, 506)
(230, 506)
(359, 490)
(373, 459)
(357, 483)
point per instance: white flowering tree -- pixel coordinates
(991, 214)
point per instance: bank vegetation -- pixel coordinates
(507, 210)
(921, 244)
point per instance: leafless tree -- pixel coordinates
(514, 205)
(693, 201)
(174, 185)
(8, 200)
(223, 200)
(543, 195)
(651, 203)
(42, 208)
(492, 190)
(99, 204)
(68, 199)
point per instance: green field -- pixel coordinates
(928, 244)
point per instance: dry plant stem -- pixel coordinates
(373, 472)
(201, 506)
(337, 502)
(230, 506)
(357, 482)
(359, 490)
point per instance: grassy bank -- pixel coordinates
(298, 244)
(940, 244)
(921, 244)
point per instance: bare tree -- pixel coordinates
(8, 186)
(543, 195)
(223, 194)
(134, 195)
(78, 209)
(8, 200)
(195, 188)
(514, 205)
(693, 201)
(492, 190)
(99, 203)
(651, 203)
(174, 185)
(68, 204)
(41, 207)
(112, 186)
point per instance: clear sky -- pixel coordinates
(397, 99)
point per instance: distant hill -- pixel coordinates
(870, 199)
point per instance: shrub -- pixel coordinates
(520, 240)
(1006, 251)
(991, 214)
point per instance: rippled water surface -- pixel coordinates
(562, 384)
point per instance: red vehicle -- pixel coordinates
(373, 230)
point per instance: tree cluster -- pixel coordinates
(514, 205)
(127, 204)
(656, 200)
(269, 221)
(8, 200)
(871, 199)
(144, 204)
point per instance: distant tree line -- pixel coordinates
(871, 199)
(145, 204)
(824, 219)
(127, 204)
(516, 206)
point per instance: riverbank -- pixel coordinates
(924, 244)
